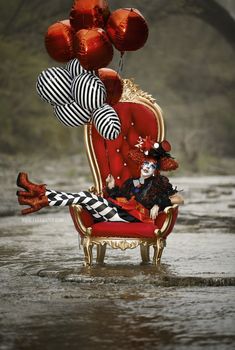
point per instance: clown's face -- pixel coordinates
(148, 169)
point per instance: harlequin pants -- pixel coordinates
(100, 208)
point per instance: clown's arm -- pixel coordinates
(110, 182)
(168, 197)
(114, 191)
(175, 199)
(154, 212)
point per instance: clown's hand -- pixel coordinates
(110, 182)
(154, 212)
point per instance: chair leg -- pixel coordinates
(144, 251)
(101, 249)
(87, 247)
(158, 250)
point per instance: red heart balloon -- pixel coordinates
(59, 41)
(127, 29)
(89, 13)
(113, 84)
(93, 48)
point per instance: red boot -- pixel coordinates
(34, 196)
(32, 189)
(36, 203)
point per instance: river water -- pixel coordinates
(50, 301)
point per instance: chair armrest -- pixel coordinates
(166, 219)
(82, 219)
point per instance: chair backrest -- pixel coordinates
(140, 116)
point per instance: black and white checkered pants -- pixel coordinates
(100, 208)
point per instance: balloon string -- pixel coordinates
(120, 68)
(121, 62)
(107, 155)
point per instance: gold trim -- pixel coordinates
(85, 230)
(101, 249)
(158, 250)
(122, 243)
(116, 243)
(144, 252)
(168, 221)
(87, 247)
(132, 91)
(92, 159)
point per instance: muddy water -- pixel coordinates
(50, 301)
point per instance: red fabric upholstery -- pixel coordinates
(137, 120)
(132, 230)
(160, 219)
(170, 228)
(85, 216)
(118, 229)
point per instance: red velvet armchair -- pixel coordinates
(140, 116)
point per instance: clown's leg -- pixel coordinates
(37, 197)
(98, 206)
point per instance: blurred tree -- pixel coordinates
(187, 64)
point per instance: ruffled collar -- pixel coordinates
(141, 181)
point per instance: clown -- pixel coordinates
(137, 200)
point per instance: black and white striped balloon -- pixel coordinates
(107, 122)
(54, 86)
(72, 114)
(74, 67)
(89, 91)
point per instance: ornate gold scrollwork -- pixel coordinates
(122, 243)
(87, 247)
(132, 92)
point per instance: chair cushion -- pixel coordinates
(127, 230)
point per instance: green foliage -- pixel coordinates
(28, 122)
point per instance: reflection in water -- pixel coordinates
(50, 301)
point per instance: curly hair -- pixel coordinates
(168, 164)
(164, 164)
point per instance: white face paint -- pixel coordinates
(147, 169)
